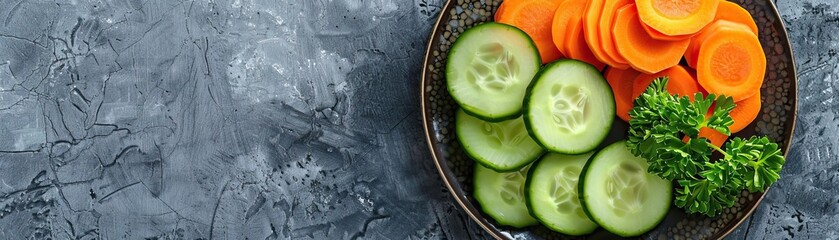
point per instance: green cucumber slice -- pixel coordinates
(501, 196)
(620, 195)
(552, 193)
(489, 68)
(503, 146)
(569, 108)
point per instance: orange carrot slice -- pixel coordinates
(677, 17)
(500, 9)
(621, 80)
(731, 62)
(681, 82)
(693, 75)
(574, 27)
(730, 11)
(644, 53)
(744, 113)
(499, 13)
(564, 21)
(567, 33)
(607, 18)
(578, 49)
(534, 18)
(692, 53)
(725, 11)
(661, 36)
(591, 30)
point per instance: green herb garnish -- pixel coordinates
(658, 122)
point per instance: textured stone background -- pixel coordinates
(265, 119)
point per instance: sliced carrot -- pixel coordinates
(692, 73)
(621, 82)
(574, 27)
(744, 113)
(500, 9)
(591, 30)
(729, 14)
(725, 11)
(567, 33)
(534, 18)
(677, 17)
(713, 136)
(692, 52)
(578, 49)
(644, 53)
(681, 82)
(661, 36)
(731, 62)
(563, 23)
(730, 11)
(607, 18)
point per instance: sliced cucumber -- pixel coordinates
(569, 107)
(619, 194)
(503, 146)
(501, 196)
(552, 193)
(489, 68)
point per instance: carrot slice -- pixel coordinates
(731, 62)
(621, 81)
(692, 52)
(567, 33)
(681, 82)
(677, 17)
(500, 9)
(713, 136)
(693, 75)
(728, 14)
(661, 36)
(744, 113)
(578, 49)
(644, 53)
(591, 25)
(607, 18)
(725, 11)
(730, 11)
(533, 17)
(564, 21)
(574, 28)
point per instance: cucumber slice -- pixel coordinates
(552, 193)
(503, 146)
(569, 107)
(501, 196)
(489, 68)
(619, 194)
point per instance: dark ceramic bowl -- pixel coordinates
(776, 120)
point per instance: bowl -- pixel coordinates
(776, 120)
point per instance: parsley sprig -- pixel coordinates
(658, 122)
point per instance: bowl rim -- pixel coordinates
(460, 197)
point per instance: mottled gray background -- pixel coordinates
(266, 119)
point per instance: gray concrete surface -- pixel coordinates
(804, 204)
(264, 119)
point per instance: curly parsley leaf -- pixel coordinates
(720, 119)
(658, 123)
(761, 159)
